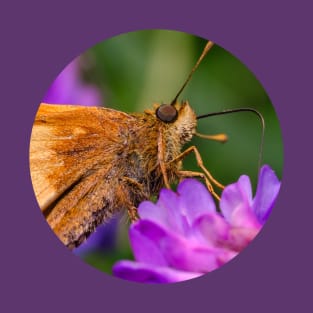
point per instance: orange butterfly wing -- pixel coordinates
(72, 152)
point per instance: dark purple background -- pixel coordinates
(38, 39)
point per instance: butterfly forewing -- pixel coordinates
(72, 153)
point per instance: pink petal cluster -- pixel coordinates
(183, 235)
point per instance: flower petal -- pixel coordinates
(240, 237)
(146, 273)
(266, 194)
(194, 199)
(169, 201)
(165, 212)
(217, 233)
(148, 210)
(236, 204)
(179, 252)
(212, 227)
(145, 248)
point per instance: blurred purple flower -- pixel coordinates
(183, 236)
(69, 88)
(102, 240)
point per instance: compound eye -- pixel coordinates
(167, 113)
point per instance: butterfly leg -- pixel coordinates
(201, 175)
(199, 162)
(133, 214)
(132, 210)
(161, 159)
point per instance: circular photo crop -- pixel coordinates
(156, 156)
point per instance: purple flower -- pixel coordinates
(69, 88)
(242, 215)
(102, 240)
(183, 236)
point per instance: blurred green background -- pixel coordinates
(134, 70)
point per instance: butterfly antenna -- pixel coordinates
(206, 49)
(244, 110)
